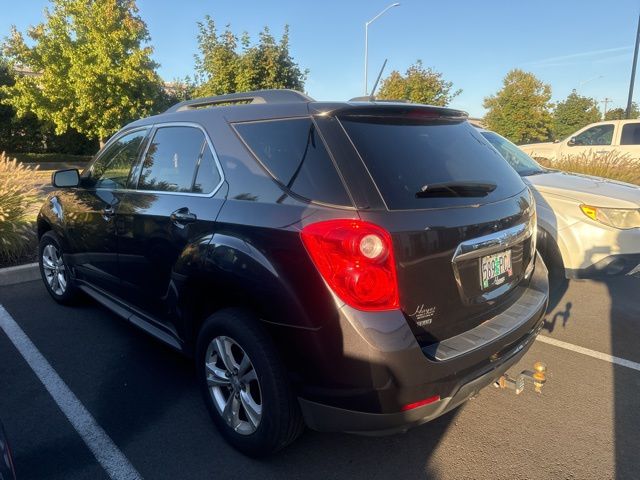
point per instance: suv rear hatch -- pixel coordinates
(461, 219)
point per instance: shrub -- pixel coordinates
(50, 157)
(17, 199)
(613, 165)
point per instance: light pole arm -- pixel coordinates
(366, 42)
(382, 13)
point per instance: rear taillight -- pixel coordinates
(356, 260)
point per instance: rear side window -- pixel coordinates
(171, 160)
(404, 155)
(630, 134)
(293, 152)
(208, 177)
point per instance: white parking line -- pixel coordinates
(108, 455)
(592, 353)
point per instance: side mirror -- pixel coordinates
(572, 141)
(66, 178)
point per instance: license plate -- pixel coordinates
(495, 269)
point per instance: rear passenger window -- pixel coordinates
(208, 176)
(171, 160)
(630, 134)
(293, 152)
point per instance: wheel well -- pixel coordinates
(548, 248)
(201, 305)
(43, 227)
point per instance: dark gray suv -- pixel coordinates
(351, 266)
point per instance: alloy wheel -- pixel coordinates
(55, 271)
(233, 385)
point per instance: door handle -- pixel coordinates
(182, 216)
(602, 152)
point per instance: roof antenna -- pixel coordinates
(375, 85)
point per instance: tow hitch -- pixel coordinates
(538, 377)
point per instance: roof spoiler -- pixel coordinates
(390, 108)
(257, 96)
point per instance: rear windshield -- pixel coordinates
(404, 155)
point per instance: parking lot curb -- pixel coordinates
(19, 274)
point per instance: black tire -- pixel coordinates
(69, 293)
(281, 420)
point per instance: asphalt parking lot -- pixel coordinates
(586, 423)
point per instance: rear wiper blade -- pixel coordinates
(456, 189)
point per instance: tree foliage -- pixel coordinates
(228, 64)
(418, 85)
(574, 113)
(92, 70)
(521, 109)
(30, 134)
(619, 113)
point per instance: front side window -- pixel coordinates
(598, 135)
(112, 168)
(294, 153)
(630, 134)
(171, 160)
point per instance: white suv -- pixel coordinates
(596, 139)
(587, 226)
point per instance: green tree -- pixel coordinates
(521, 109)
(6, 112)
(91, 69)
(619, 113)
(174, 92)
(574, 113)
(19, 134)
(228, 64)
(418, 85)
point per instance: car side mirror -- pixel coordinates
(572, 141)
(66, 178)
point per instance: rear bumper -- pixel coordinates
(326, 418)
(405, 373)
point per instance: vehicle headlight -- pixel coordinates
(623, 218)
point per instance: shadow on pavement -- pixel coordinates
(624, 298)
(625, 325)
(562, 316)
(148, 401)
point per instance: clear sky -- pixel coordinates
(581, 44)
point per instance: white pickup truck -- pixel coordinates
(600, 138)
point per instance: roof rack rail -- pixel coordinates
(257, 96)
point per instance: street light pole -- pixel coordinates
(366, 43)
(633, 71)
